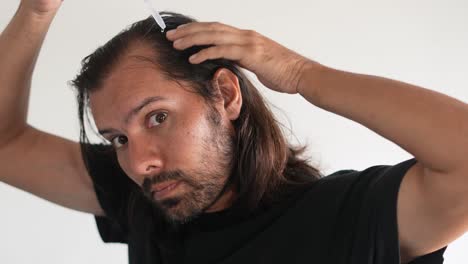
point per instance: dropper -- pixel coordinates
(156, 15)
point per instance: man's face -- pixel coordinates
(176, 147)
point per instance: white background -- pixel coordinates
(420, 42)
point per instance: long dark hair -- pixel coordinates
(264, 162)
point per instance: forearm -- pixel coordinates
(20, 44)
(431, 126)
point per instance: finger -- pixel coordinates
(230, 52)
(210, 38)
(194, 27)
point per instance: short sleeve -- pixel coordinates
(367, 229)
(113, 190)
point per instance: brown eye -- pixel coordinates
(118, 141)
(157, 119)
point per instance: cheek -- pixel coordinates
(189, 142)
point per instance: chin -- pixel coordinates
(175, 210)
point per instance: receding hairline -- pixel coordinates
(139, 50)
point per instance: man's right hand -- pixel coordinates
(42, 7)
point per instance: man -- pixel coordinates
(198, 170)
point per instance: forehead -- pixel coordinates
(131, 81)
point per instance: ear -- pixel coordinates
(227, 84)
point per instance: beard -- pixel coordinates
(203, 186)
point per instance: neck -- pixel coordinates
(225, 201)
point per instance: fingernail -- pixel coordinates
(193, 57)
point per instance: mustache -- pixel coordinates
(161, 177)
(176, 175)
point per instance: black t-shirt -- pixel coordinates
(346, 217)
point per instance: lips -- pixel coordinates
(161, 190)
(161, 186)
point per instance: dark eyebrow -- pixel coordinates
(134, 112)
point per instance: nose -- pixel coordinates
(144, 158)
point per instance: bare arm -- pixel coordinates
(433, 197)
(43, 164)
(20, 44)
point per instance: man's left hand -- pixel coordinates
(277, 67)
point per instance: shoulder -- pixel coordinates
(112, 186)
(368, 178)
